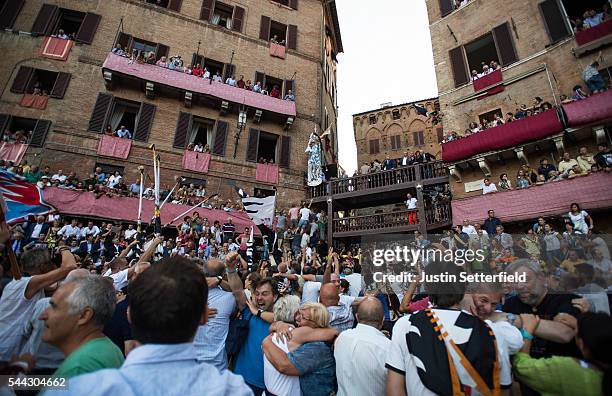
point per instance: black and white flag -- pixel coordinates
(260, 210)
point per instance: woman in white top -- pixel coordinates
(580, 217)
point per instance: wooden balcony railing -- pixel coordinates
(388, 178)
(401, 220)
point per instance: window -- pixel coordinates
(282, 33)
(124, 114)
(395, 114)
(142, 45)
(396, 142)
(481, 50)
(283, 2)
(419, 138)
(263, 192)
(278, 32)
(374, 146)
(288, 3)
(131, 43)
(28, 130)
(268, 82)
(266, 147)
(372, 119)
(109, 169)
(28, 79)
(201, 131)
(489, 116)
(78, 25)
(108, 110)
(440, 134)
(193, 129)
(69, 21)
(213, 66)
(9, 11)
(159, 3)
(222, 15)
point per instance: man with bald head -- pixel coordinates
(360, 353)
(209, 341)
(339, 306)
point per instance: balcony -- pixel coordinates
(591, 39)
(491, 83)
(391, 222)
(549, 199)
(154, 75)
(505, 136)
(592, 110)
(381, 182)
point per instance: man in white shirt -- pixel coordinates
(59, 176)
(468, 228)
(488, 187)
(124, 133)
(70, 230)
(217, 77)
(304, 215)
(231, 81)
(91, 229)
(114, 179)
(360, 353)
(411, 202)
(130, 232)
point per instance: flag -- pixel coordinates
(420, 109)
(259, 210)
(23, 199)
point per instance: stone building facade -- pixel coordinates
(392, 130)
(540, 55)
(231, 36)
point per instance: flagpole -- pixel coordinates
(192, 208)
(157, 214)
(170, 193)
(141, 170)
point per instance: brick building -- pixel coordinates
(392, 130)
(540, 55)
(90, 88)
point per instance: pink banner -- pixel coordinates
(126, 209)
(553, 198)
(594, 33)
(267, 173)
(277, 50)
(187, 82)
(488, 80)
(595, 108)
(34, 101)
(55, 48)
(12, 151)
(112, 146)
(508, 135)
(197, 162)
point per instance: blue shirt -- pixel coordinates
(155, 369)
(249, 363)
(209, 340)
(317, 367)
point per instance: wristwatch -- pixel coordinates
(220, 279)
(259, 312)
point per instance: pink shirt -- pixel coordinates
(294, 213)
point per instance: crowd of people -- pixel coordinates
(419, 157)
(20, 136)
(591, 17)
(176, 63)
(300, 317)
(567, 168)
(485, 70)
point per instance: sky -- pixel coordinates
(387, 58)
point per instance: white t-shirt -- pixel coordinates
(59, 177)
(15, 311)
(113, 181)
(469, 229)
(355, 283)
(304, 214)
(579, 221)
(130, 233)
(277, 383)
(310, 292)
(120, 279)
(411, 203)
(488, 189)
(36, 231)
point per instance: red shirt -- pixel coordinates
(275, 93)
(240, 83)
(197, 71)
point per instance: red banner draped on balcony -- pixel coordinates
(55, 48)
(277, 50)
(486, 81)
(34, 101)
(586, 36)
(553, 198)
(508, 135)
(595, 108)
(112, 146)
(197, 162)
(124, 208)
(267, 173)
(12, 151)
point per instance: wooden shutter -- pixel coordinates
(446, 7)
(144, 122)
(88, 28)
(4, 121)
(292, 37)
(418, 138)
(289, 85)
(228, 71)
(183, 125)
(39, 133)
(207, 8)
(293, 4)
(554, 20)
(220, 138)
(237, 19)
(175, 5)
(285, 151)
(100, 112)
(504, 44)
(9, 13)
(374, 146)
(264, 28)
(252, 145)
(260, 77)
(440, 133)
(46, 16)
(124, 39)
(21, 79)
(195, 59)
(61, 84)
(161, 50)
(458, 65)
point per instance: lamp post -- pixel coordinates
(242, 120)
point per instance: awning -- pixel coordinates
(85, 204)
(595, 108)
(504, 136)
(187, 82)
(553, 198)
